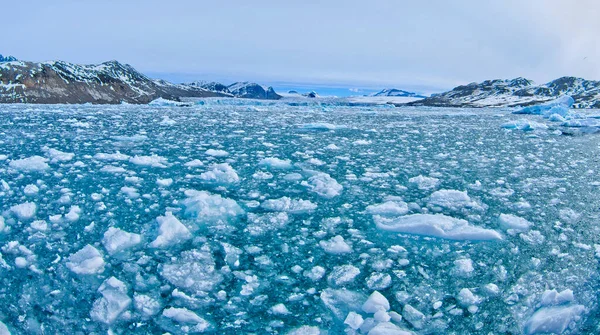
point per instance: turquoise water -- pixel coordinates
(243, 263)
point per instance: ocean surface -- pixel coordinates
(238, 216)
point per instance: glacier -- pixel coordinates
(228, 216)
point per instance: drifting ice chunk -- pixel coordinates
(31, 190)
(210, 209)
(436, 225)
(185, 316)
(388, 328)
(388, 208)
(3, 329)
(220, 174)
(513, 222)
(452, 199)
(280, 309)
(336, 245)
(553, 297)
(413, 316)
(525, 125)
(161, 102)
(24, 211)
(276, 163)
(320, 126)
(424, 183)
(554, 320)
(342, 301)
(59, 156)
(30, 164)
(146, 304)
(343, 274)
(376, 302)
(216, 153)
(564, 101)
(285, 204)
(354, 320)
(323, 185)
(170, 232)
(113, 302)
(305, 330)
(116, 240)
(87, 261)
(153, 161)
(193, 271)
(111, 157)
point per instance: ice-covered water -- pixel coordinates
(232, 217)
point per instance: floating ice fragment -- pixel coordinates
(388, 208)
(86, 261)
(73, 214)
(116, 240)
(276, 163)
(220, 174)
(185, 316)
(113, 302)
(164, 182)
(320, 126)
(376, 302)
(194, 163)
(31, 190)
(452, 199)
(525, 125)
(553, 320)
(514, 223)
(216, 153)
(192, 271)
(316, 273)
(463, 267)
(564, 101)
(343, 274)
(111, 157)
(436, 225)
(323, 185)
(415, 317)
(147, 305)
(379, 281)
(342, 301)
(388, 328)
(4, 329)
(424, 183)
(336, 245)
(24, 211)
(170, 232)
(153, 161)
(285, 204)
(280, 309)
(353, 320)
(210, 209)
(466, 298)
(553, 297)
(113, 169)
(30, 164)
(59, 156)
(161, 102)
(305, 330)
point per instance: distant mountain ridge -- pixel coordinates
(244, 89)
(516, 92)
(106, 83)
(393, 92)
(7, 59)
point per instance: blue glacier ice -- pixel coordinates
(236, 216)
(558, 106)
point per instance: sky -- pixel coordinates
(424, 46)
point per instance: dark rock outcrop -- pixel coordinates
(516, 92)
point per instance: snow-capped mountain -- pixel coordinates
(252, 91)
(393, 92)
(7, 59)
(107, 83)
(516, 92)
(212, 86)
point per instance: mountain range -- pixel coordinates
(516, 92)
(106, 83)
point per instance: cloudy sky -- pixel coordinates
(424, 45)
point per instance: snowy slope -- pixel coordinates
(517, 92)
(393, 92)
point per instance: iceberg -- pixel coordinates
(436, 225)
(562, 103)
